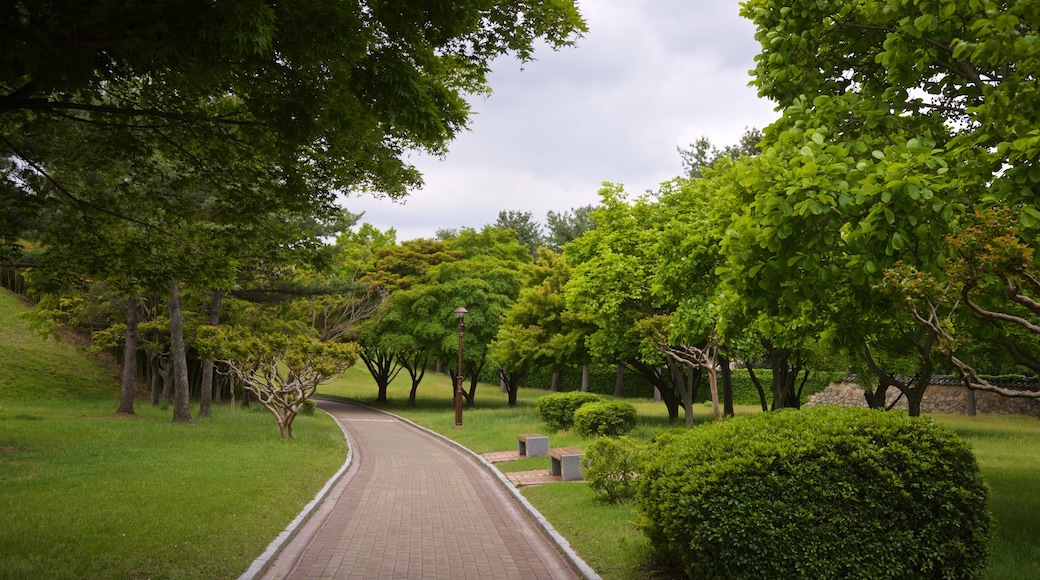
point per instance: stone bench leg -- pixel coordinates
(534, 447)
(568, 467)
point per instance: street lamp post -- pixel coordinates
(460, 313)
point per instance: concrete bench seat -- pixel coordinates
(566, 462)
(532, 445)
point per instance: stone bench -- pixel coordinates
(532, 445)
(566, 462)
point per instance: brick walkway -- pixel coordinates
(412, 505)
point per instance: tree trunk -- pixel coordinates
(129, 382)
(383, 366)
(970, 396)
(415, 363)
(619, 380)
(181, 400)
(206, 389)
(157, 378)
(664, 388)
(554, 385)
(511, 382)
(727, 386)
(684, 377)
(585, 379)
(758, 386)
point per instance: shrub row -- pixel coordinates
(557, 410)
(603, 377)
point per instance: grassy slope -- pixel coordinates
(86, 494)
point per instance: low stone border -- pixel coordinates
(263, 562)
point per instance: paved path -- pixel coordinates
(412, 505)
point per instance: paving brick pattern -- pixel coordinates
(413, 506)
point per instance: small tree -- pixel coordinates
(282, 371)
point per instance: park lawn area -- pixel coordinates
(606, 536)
(85, 493)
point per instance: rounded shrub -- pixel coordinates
(607, 418)
(610, 466)
(820, 493)
(557, 409)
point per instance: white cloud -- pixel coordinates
(649, 76)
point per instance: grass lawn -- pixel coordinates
(88, 494)
(1007, 449)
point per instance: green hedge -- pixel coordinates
(557, 409)
(605, 418)
(601, 381)
(823, 492)
(603, 377)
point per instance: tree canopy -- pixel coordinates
(342, 89)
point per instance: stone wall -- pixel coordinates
(951, 399)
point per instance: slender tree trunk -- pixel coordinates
(167, 385)
(554, 385)
(157, 378)
(970, 396)
(683, 376)
(181, 400)
(758, 386)
(585, 379)
(129, 382)
(619, 380)
(727, 386)
(206, 390)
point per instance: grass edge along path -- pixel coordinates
(607, 538)
(86, 493)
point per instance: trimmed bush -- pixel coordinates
(607, 418)
(557, 409)
(610, 466)
(824, 492)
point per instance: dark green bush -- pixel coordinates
(610, 466)
(557, 409)
(819, 493)
(607, 418)
(308, 407)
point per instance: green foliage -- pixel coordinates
(605, 418)
(527, 229)
(611, 465)
(283, 371)
(818, 493)
(565, 227)
(557, 409)
(537, 331)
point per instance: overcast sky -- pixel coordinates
(649, 76)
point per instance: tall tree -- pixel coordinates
(527, 229)
(566, 226)
(485, 279)
(538, 332)
(933, 82)
(608, 291)
(702, 153)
